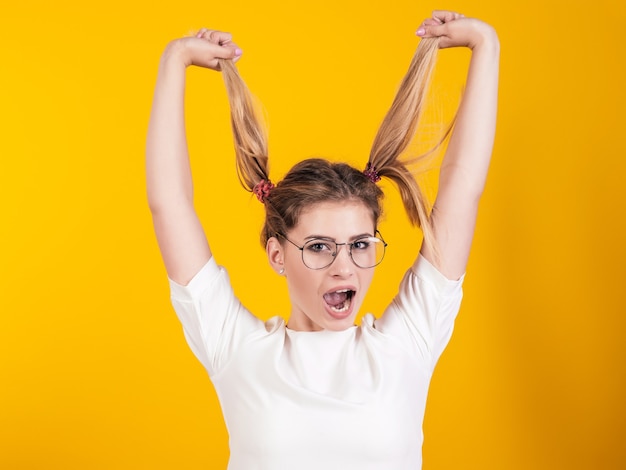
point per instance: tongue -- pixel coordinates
(335, 298)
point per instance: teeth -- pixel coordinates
(346, 306)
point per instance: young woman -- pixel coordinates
(317, 391)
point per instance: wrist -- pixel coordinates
(486, 38)
(176, 54)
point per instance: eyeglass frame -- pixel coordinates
(338, 246)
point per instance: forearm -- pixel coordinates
(168, 172)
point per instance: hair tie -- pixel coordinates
(262, 189)
(371, 173)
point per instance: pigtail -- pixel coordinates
(396, 132)
(248, 132)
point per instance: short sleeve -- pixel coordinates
(422, 314)
(213, 319)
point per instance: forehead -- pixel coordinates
(339, 220)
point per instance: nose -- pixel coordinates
(343, 265)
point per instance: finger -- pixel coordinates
(439, 18)
(215, 37)
(201, 32)
(445, 16)
(432, 30)
(221, 38)
(421, 31)
(236, 52)
(229, 51)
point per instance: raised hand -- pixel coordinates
(204, 48)
(455, 30)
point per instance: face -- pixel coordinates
(327, 298)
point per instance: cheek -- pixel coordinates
(366, 281)
(301, 280)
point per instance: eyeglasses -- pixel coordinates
(319, 253)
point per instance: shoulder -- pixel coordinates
(423, 312)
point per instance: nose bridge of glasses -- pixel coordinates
(334, 254)
(339, 246)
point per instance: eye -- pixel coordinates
(362, 244)
(319, 246)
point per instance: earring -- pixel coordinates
(282, 271)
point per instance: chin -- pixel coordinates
(332, 323)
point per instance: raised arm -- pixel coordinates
(179, 233)
(466, 161)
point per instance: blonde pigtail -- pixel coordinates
(251, 150)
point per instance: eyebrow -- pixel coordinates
(323, 237)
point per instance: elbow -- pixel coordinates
(160, 202)
(155, 202)
(165, 190)
(465, 182)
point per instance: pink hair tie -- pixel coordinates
(371, 173)
(262, 189)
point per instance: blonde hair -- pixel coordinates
(317, 180)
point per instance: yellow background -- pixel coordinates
(94, 369)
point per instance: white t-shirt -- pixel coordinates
(295, 400)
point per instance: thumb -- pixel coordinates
(228, 51)
(216, 53)
(432, 29)
(221, 43)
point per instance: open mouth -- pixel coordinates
(339, 301)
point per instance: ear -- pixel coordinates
(275, 254)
